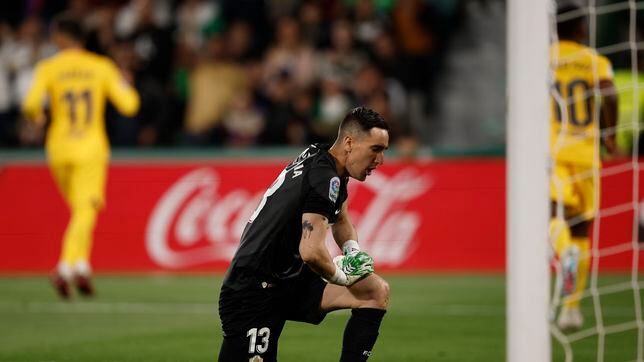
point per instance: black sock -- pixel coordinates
(360, 334)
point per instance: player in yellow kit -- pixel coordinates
(76, 83)
(576, 119)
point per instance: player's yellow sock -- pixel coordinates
(568, 254)
(583, 264)
(65, 270)
(77, 241)
(560, 235)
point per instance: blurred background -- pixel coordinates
(226, 73)
(278, 73)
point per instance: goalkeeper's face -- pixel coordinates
(367, 153)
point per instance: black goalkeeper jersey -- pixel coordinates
(269, 248)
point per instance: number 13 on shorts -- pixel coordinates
(253, 334)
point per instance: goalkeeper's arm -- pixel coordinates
(312, 248)
(344, 233)
(314, 253)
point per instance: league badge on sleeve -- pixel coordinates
(334, 189)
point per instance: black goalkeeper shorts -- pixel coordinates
(252, 318)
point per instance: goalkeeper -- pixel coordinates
(283, 270)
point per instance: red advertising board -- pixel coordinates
(188, 216)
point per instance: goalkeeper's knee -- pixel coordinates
(378, 293)
(382, 295)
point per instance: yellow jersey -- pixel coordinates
(77, 84)
(573, 123)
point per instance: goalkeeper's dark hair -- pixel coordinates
(70, 26)
(362, 119)
(569, 28)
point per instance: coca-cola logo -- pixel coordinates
(194, 223)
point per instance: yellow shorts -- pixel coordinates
(574, 186)
(81, 183)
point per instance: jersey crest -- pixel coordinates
(334, 189)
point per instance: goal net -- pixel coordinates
(596, 315)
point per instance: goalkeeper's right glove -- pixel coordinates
(351, 268)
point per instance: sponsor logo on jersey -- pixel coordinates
(256, 359)
(334, 189)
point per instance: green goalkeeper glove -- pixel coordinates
(359, 263)
(351, 268)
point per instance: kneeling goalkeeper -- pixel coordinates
(282, 269)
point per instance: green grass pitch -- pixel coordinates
(436, 317)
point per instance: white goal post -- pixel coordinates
(527, 268)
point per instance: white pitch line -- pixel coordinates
(93, 307)
(108, 308)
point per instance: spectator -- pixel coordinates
(298, 128)
(289, 54)
(101, 35)
(138, 12)
(313, 29)
(334, 103)
(255, 13)
(193, 16)
(370, 82)
(240, 42)
(123, 130)
(30, 46)
(148, 27)
(368, 23)
(278, 94)
(8, 115)
(411, 19)
(244, 122)
(342, 62)
(214, 83)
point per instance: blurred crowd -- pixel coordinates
(238, 72)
